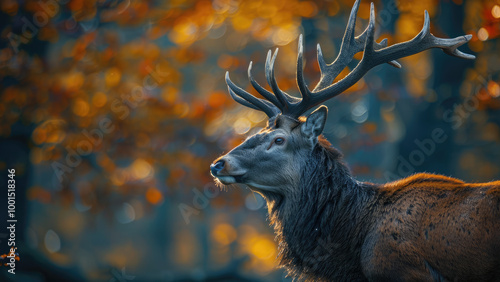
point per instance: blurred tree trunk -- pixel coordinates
(428, 116)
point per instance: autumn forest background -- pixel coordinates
(111, 112)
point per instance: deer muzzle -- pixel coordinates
(216, 167)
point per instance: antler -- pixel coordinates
(374, 54)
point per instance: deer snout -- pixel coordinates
(227, 171)
(216, 167)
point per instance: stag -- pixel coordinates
(330, 227)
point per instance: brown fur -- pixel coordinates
(440, 223)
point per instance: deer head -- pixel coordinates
(273, 159)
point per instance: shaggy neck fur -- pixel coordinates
(318, 228)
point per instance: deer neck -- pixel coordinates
(321, 223)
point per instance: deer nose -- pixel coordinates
(216, 167)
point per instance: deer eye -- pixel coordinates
(279, 141)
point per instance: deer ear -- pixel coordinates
(314, 124)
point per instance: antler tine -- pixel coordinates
(296, 109)
(301, 82)
(262, 91)
(370, 36)
(357, 73)
(347, 51)
(349, 47)
(361, 43)
(374, 55)
(248, 100)
(283, 97)
(241, 100)
(422, 41)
